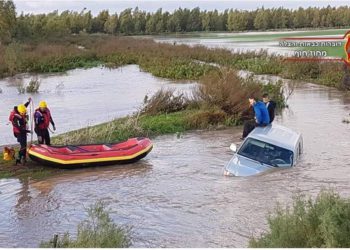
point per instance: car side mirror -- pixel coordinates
(233, 147)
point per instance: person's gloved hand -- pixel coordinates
(29, 99)
(54, 128)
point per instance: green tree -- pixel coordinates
(262, 19)
(316, 19)
(54, 25)
(217, 21)
(225, 19)
(139, 21)
(194, 22)
(126, 22)
(23, 27)
(237, 21)
(207, 21)
(7, 20)
(76, 21)
(346, 16)
(171, 25)
(299, 20)
(111, 24)
(87, 22)
(155, 23)
(98, 22)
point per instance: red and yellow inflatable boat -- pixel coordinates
(71, 156)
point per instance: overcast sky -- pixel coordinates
(45, 6)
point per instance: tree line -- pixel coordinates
(137, 22)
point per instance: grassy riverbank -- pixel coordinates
(219, 102)
(31, 170)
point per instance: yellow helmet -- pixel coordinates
(22, 109)
(42, 104)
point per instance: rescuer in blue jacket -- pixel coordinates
(262, 117)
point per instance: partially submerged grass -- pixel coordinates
(346, 120)
(320, 223)
(97, 231)
(162, 60)
(325, 73)
(33, 86)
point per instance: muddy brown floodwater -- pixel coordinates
(177, 196)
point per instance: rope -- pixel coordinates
(51, 130)
(31, 119)
(32, 122)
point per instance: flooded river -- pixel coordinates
(84, 97)
(246, 41)
(177, 196)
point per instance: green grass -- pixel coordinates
(146, 125)
(31, 169)
(123, 128)
(165, 123)
(308, 223)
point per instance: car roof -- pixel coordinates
(277, 135)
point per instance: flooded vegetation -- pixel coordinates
(97, 231)
(161, 60)
(309, 223)
(157, 197)
(190, 97)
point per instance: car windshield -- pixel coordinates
(266, 153)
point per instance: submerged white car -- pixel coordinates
(265, 148)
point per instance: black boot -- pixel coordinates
(18, 161)
(23, 161)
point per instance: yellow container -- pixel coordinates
(9, 154)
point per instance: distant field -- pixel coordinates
(255, 41)
(260, 36)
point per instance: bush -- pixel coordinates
(20, 88)
(203, 118)
(98, 231)
(33, 86)
(227, 91)
(276, 93)
(324, 222)
(164, 101)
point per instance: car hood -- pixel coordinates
(242, 166)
